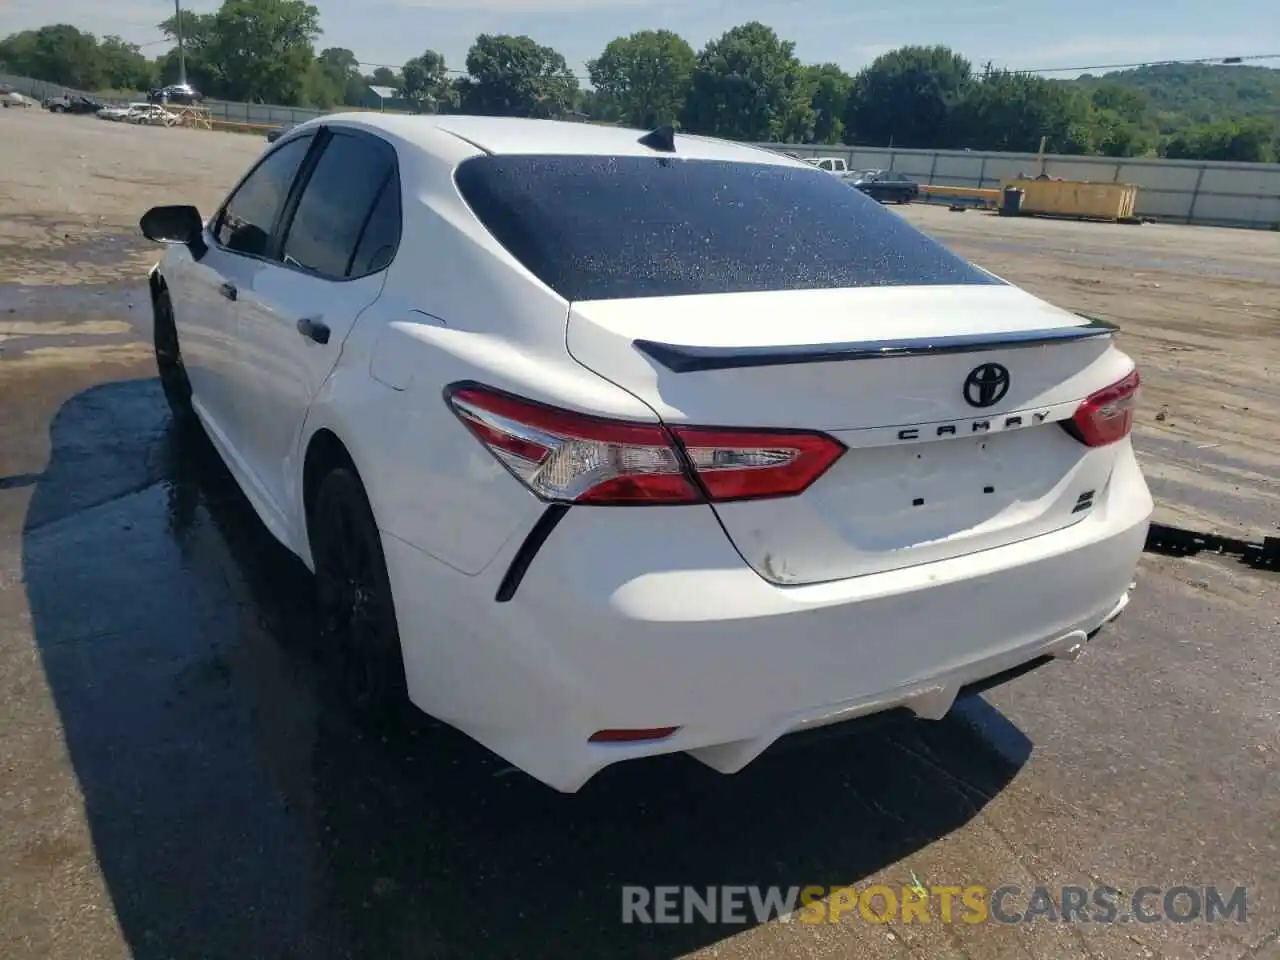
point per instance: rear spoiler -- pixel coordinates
(688, 359)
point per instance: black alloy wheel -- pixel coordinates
(353, 596)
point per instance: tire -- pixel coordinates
(169, 365)
(356, 611)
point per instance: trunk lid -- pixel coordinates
(928, 474)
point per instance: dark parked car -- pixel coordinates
(177, 93)
(885, 185)
(76, 104)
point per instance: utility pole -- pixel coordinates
(182, 54)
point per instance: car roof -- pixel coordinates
(518, 135)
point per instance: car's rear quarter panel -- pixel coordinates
(456, 307)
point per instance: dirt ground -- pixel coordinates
(177, 779)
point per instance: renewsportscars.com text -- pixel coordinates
(971, 904)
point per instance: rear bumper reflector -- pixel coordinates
(691, 359)
(632, 736)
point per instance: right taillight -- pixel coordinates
(1107, 415)
(569, 457)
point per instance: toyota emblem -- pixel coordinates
(986, 385)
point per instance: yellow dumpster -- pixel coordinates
(1077, 198)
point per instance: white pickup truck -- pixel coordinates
(830, 164)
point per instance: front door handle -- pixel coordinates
(314, 329)
(229, 291)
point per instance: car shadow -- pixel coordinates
(237, 812)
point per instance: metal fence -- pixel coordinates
(265, 113)
(259, 112)
(1183, 191)
(40, 90)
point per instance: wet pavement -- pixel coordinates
(233, 811)
(179, 779)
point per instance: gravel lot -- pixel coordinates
(176, 781)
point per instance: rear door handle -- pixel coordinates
(314, 329)
(229, 291)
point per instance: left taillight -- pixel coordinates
(569, 457)
(1107, 415)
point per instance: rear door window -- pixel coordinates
(381, 237)
(595, 228)
(352, 174)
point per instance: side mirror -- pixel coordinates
(175, 224)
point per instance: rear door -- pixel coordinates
(696, 286)
(339, 234)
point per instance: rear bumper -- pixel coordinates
(645, 618)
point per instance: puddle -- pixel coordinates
(82, 292)
(40, 317)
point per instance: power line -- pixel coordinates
(1150, 63)
(456, 71)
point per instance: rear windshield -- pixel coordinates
(602, 228)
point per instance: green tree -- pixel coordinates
(196, 30)
(1114, 136)
(801, 118)
(425, 82)
(1248, 140)
(599, 106)
(829, 89)
(259, 51)
(515, 77)
(1012, 111)
(385, 77)
(646, 76)
(58, 54)
(334, 79)
(123, 65)
(341, 64)
(745, 86)
(906, 96)
(1127, 103)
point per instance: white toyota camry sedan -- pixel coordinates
(606, 443)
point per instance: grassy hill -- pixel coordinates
(1188, 94)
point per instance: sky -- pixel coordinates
(1019, 35)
